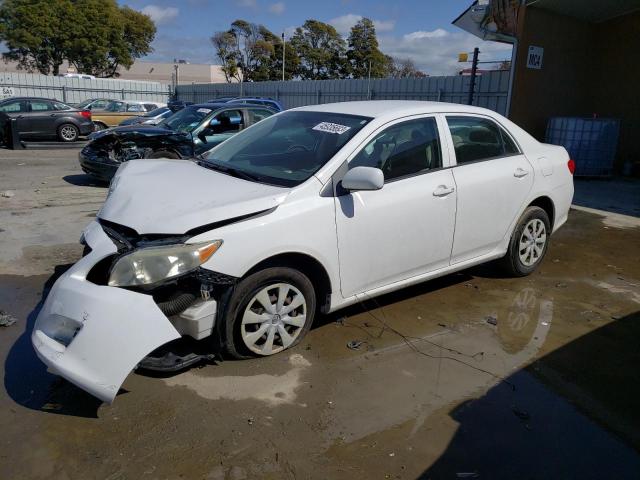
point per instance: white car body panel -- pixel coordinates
(367, 242)
(481, 225)
(159, 208)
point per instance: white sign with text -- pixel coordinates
(534, 57)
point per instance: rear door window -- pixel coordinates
(476, 138)
(258, 114)
(40, 105)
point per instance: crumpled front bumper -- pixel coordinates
(116, 327)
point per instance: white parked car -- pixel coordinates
(307, 211)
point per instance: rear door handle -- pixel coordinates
(520, 172)
(443, 191)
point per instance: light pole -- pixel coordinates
(284, 46)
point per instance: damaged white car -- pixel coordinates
(308, 211)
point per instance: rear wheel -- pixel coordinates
(97, 126)
(163, 154)
(68, 132)
(528, 243)
(270, 311)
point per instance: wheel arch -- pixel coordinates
(547, 205)
(308, 265)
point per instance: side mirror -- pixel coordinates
(363, 178)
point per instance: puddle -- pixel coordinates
(272, 389)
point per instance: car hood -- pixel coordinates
(137, 129)
(176, 196)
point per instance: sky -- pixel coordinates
(417, 29)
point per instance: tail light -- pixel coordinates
(86, 114)
(572, 166)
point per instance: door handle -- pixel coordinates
(443, 191)
(520, 172)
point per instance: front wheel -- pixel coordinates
(528, 243)
(270, 311)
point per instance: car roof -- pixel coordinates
(391, 108)
(31, 98)
(224, 105)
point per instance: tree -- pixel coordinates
(363, 53)
(225, 45)
(403, 68)
(248, 52)
(96, 36)
(111, 37)
(321, 51)
(37, 34)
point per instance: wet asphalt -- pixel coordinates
(469, 376)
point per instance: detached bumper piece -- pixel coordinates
(95, 335)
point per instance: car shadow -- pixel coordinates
(84, 180)
(366, 304)
(570, 414)
(29, 384)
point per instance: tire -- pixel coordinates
(242, 340)
(97, 126)
(164, 154)
(68, 132)
(528, 244)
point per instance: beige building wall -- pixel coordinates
(152, 72)
(588, 68)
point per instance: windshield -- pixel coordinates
(186, 120)
(155, 112)
(286, 149)
(85, 104)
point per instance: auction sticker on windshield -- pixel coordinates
(204, 110)
(331, 128)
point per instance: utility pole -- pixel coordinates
(474, 68)
(284, 46)
(369, 82)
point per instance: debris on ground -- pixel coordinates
(340, 321)
(491, 320)
(8, 194)
(6, 320)
(443, 325)
(357, 344)
(561, 285)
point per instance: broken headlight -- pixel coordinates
(150, 265)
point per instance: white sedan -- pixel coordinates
(308, 211)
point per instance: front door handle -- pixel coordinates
(520, 172)
(443, 191)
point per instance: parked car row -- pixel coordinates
(44, 118)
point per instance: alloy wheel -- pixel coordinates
(68, 133)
